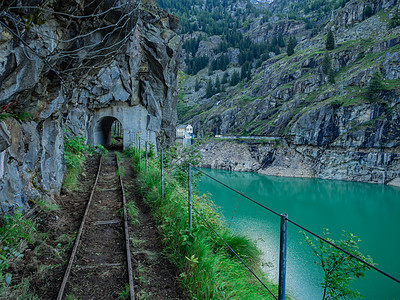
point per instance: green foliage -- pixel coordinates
(339, 268)
(330, 41)
(101, 149)
(75, 145)
(177, 160)
(197, 85)
(75, 149)
(331, 76)
(235, 79)
(326, 64)
(375, 86)
(395, 20)
(209, 89)
(4, 116)
(224, 78)
(15, 229)
(23, 116)
(124, 294)
(133, 212)
(327, 68)
(368, 11)
(220, 63)
(291, 45)
(196, 64)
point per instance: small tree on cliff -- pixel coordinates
(291, 45)
(330, 41)
(234, 79)
(209, 89)
(375, 86)
(327, 68)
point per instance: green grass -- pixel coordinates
(207, 268)
(133, 212)
(124, 294)
(46, 206)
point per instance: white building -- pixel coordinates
(184, 134)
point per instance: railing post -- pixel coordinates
(146, 155)
(162, 174)
(190, 195)
(140, 154)
(282, 257)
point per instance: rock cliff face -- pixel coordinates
(280, 159)
(63, 61)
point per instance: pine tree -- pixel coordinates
(395, 20)
(331, 76)
(375, 86)
(248, 75)
(234, 79)
(209, 89)
(217, 85)
(291, 45)
(225, 78)
(281, 41)
(368, 11)
(197, 85)
(330, 41)
(326, 64)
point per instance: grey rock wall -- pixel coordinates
(38, 105)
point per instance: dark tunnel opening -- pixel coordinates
(112, 133)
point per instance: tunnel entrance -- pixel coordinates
(109, 133)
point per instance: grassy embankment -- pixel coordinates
(208, 269)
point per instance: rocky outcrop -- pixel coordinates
(279, 159)
(57, 71)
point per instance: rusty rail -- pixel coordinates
(78, 238)
(128, 251)
(72, 257)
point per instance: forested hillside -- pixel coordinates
(314, 73)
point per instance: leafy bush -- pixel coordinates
(14, 230)
(75, 149)
(75, 145)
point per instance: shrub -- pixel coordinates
(375, 86)
(14, 230)
(339, 268)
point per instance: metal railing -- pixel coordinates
(284, 219)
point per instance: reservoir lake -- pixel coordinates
(370, 211)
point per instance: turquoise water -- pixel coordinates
(369, 211)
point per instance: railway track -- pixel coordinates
(100, 264)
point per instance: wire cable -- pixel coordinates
(305, 229)
(236, 191)
(230, 248)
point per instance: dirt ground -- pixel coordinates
(99, 271)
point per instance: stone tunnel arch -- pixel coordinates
(135, 123)
(103, 130)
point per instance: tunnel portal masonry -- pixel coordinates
(134, 122)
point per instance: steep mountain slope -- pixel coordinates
(318, 101)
